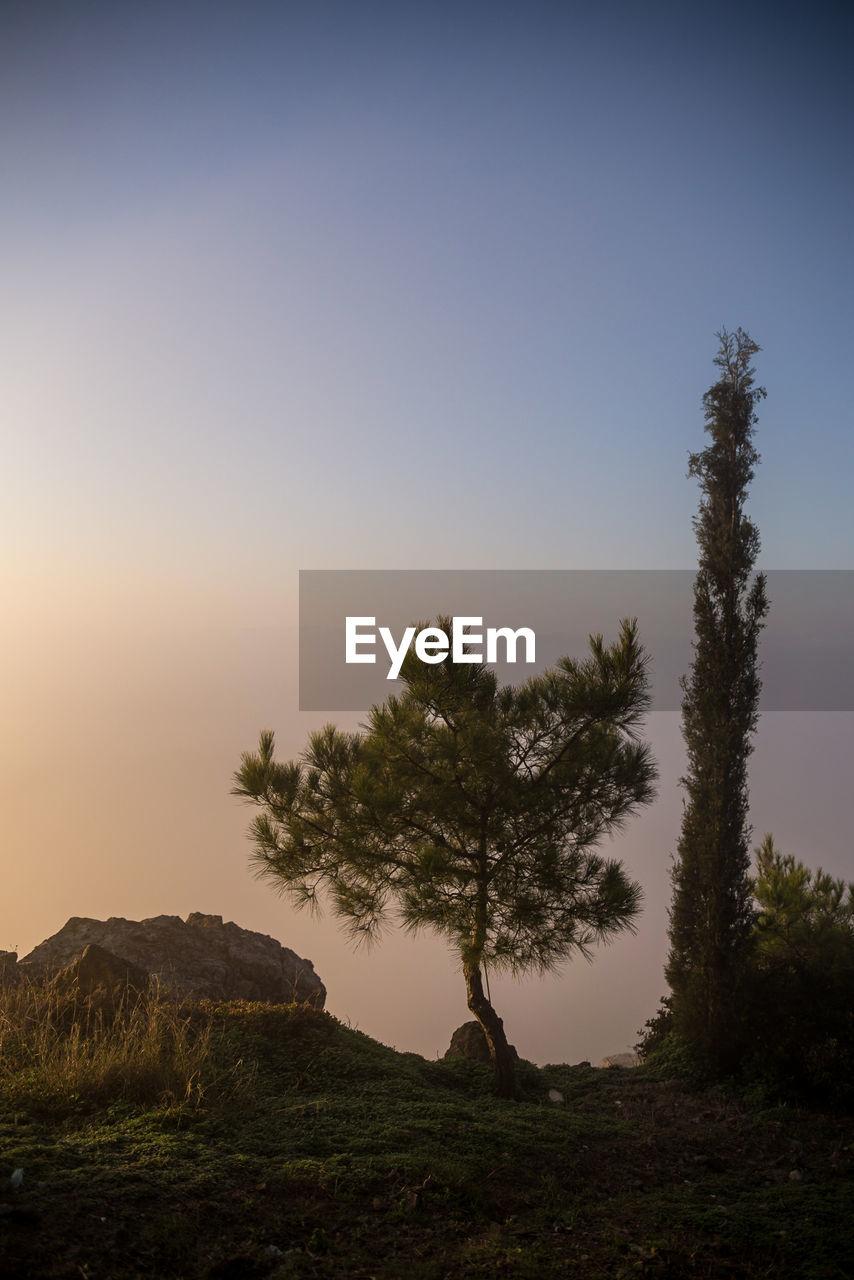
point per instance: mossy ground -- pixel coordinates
(327, 1154)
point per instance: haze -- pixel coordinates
(341, 286)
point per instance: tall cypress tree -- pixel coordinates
(711, 914)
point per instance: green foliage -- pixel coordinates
(802, 980)
(711, 919)
(655, 1031)
(469, 809)
(666, 1055)
(806, 918)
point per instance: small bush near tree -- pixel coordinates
(802, 979)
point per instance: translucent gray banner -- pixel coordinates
(805, 649)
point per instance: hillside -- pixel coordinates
(296, 1146)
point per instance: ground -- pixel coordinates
(317, 1152)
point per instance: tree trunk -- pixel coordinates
(493, 1029)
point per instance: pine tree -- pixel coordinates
(471, 810)
(711, 916)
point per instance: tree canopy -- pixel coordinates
(469, 809)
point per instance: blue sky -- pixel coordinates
(378, 286)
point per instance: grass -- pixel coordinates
(248, 1140)
(59, 1049)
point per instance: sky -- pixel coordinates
(330, 286)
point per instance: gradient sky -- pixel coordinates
(321, 285)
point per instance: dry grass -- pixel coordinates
(60, 1048)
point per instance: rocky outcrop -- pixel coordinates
(199, 956)
(468, 1041)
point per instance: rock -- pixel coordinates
(620, 1060)
(468, 1041)
(199, 956)
(556, 1096)
(98, 971)
(8, 968)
